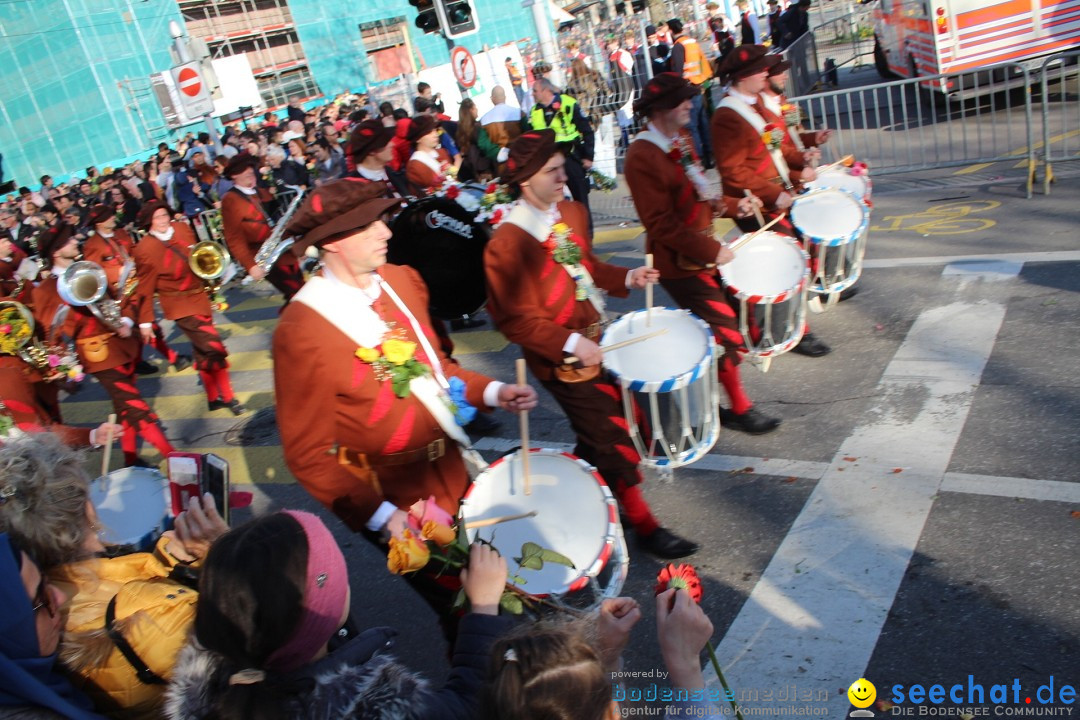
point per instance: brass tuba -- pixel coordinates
(209, 260)
(83, 284)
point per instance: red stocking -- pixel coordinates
(637, 511)
(128, 443)
(152, 434)
(221, 375)
(732, 382)
(210, 384)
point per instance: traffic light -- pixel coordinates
(428, 17)
(457, 17)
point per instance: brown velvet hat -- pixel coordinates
(52, 240)
(782, 66)
(528, 154)
(335, 208)
(747, 60)
(420, 126)
(665, 91)
(146, 213)
(368, 137)
(99, 214)
(239, 163)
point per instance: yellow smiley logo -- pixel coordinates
(862, 693)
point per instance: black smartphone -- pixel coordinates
(215, 480)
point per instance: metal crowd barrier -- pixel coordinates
(1060, 80)
(908, 125)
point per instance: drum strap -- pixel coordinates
(142, 670)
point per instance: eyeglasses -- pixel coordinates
(43, 598)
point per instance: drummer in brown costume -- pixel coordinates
(537, 304)
(677, 214)
(110, 247)
(107, 353)
(744, 160)
(163, 259)
(365, 437)
(246, 226)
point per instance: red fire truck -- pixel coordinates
(932, 37)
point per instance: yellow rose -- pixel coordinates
(408, 555)
(441, 535)
(367, 354)
(398, 352)
(560, 228)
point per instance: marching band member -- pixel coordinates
(361, 385)
(110, 247)
(429, 165)
(246, 225)
(163, 259)
(107, 353)
(751, 154)
(542, 293)
(772, 102)
(672, 200)
(372, 151)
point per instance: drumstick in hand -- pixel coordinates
(108, 446)
(523, 417)
(648, 292)
(739, 242)
(757, 210)
(624, 343)
(846, 160)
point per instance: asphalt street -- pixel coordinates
(916, 518)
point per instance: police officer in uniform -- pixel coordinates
(573, 135)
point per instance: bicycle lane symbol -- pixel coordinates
(947, 219)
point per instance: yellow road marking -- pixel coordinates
(604, 237)
(480, 341)
(169, 407)
(973, 169)
(256, 303)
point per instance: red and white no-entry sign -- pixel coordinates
(189, 82)
(193, 93)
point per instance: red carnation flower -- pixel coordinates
(453, 191)
(675, 154)
(496, 217)
(680, 577)
(492, 188)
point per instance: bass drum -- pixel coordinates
(445, 244)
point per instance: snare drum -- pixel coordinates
(769, 277)
(576, 515)
(674, 376)
(131, 505)
(842, 179)
(834, 222)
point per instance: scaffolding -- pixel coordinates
(266, 32)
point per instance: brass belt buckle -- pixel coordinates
(435, 450)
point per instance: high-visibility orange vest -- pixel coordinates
(696, 67)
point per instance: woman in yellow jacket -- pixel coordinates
(128, 614)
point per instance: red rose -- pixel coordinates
(493, 187)
(453, 191)
(496, 217)
(680, 577)
(675, 154)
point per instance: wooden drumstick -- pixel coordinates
(523, 418)
(108, 446)
(739, 242)
(842, 161)
(648, 292)
(496, 520)
(624, 343)
(757, 210)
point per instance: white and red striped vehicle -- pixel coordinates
(933, 37)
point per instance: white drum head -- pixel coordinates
(649, 364)
(842, 179)
(828, 213)
(767, 266)
(574, 516)
(130, 503)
